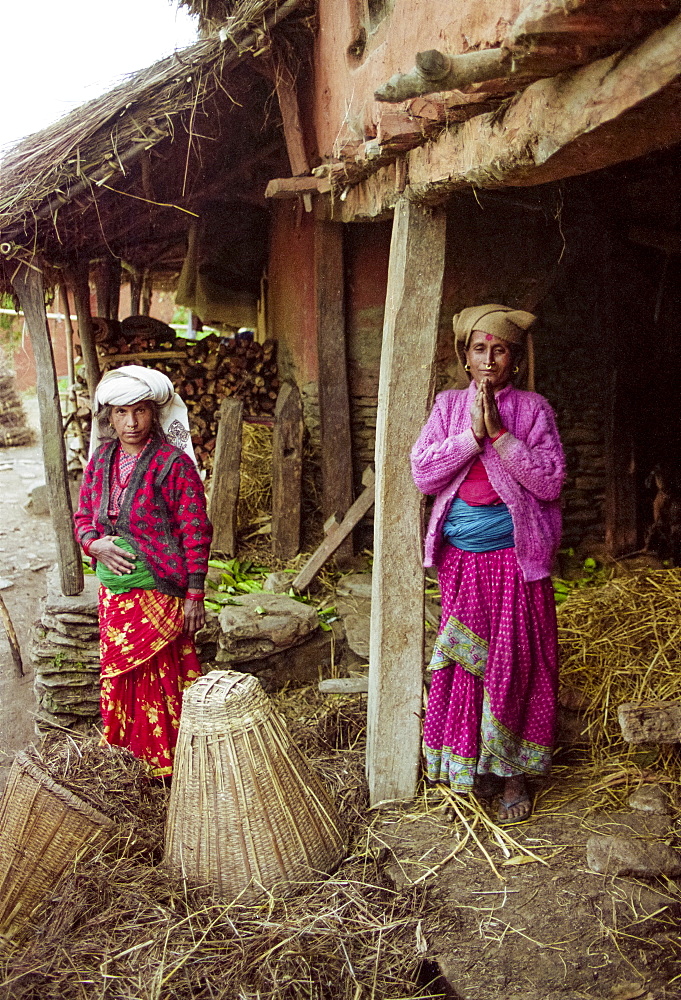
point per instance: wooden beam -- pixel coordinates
(334, 398)
(415, 275)
(294, 137)
(79, 281)
(287, 472)
(291, 187)
(224, 490)
(336, 532)
(612, 110)
(28, 284)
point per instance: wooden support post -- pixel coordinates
(224, 491)
(147, 294)
(136, 279)
(107, 275)
(68, 338)
(28, 284)
(415, 274)
(334, 402)
(287, 95)
(287, 472)
(81, 297)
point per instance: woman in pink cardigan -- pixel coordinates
(491, 456)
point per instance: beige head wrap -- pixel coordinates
(132, 384)
(512, 325)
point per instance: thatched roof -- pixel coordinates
(126, 171)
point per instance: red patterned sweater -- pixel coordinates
(163, 513)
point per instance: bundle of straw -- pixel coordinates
(622, 642)
(255, 485)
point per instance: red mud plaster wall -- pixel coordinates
(345, 108)
(291, 302)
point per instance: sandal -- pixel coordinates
(522, 797)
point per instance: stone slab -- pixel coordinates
(84, 603)
(305, 663)
(259, 625)
(650, 799)
(650, 722)
(631, 856)
(355, 585)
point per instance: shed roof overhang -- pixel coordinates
(126, 173)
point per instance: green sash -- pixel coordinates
(140, 576)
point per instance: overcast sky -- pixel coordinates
(56, 55)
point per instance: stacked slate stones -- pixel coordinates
(65, 655)
(13, 428)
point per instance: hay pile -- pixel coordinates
(255, 485)
(119, 926)
(621, 642)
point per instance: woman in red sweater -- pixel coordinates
(142, 518)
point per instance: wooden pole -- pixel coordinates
(334, 401)
(415, 274)
(287, 472)
(224, 491)
(81, 296)
(68, 337)
(146, 296)
(28, 285)
(136, 279)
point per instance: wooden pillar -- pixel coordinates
(224, 490)
(414, 293)
(136, 279)
(107, 275)
(334, 402)
(147, 293)
(28, 285)
(620, 395)
(287, 472)
(68, 339)
(81, 297)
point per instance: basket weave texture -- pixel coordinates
(246, 813)
(43, 829)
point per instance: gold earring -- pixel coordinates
(516, 370)
(466, 367)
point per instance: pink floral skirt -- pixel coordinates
(492, 701)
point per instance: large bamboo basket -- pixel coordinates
(246, 813)
(43, 829)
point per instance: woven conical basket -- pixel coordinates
(43, 829)
(246, 813)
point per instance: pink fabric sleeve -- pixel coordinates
(538, 463)
(437, 456)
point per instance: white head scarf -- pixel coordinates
(132, 384)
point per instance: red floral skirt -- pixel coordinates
(146, 663)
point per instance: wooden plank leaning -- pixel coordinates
(337, 532)
(224, 491)
(28, 284)
(414, 293)
(287, 472)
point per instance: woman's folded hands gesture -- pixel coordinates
(485, 418)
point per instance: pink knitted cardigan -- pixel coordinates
(526, 467)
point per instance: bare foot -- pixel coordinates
(515, 805)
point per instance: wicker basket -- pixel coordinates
(246, 813)
(43, 829)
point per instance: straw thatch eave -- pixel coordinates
(128, 169)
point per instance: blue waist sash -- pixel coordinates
(478, 529)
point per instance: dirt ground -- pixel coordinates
(27, 550)
(510, 926)
(516, 928)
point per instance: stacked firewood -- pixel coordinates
(204, 372)
(13, 428)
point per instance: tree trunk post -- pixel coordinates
(81, 298)
(415, 274)
(334, 403)
(28, 284)
(224, 490)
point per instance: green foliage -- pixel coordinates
(248, 578)
(593, 575)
